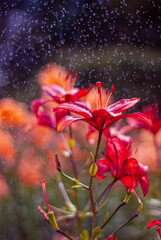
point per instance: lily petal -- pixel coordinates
(116, 151)
(138, 115)
(103, 166)
(37, 103)
(122, 105)
(154, 222)
(144, 183)
(76, 108)
(82, 92)
(129, 182)
(54, 90)
(66, 121)
(142, 117)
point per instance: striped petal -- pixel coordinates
(54, 90)
(138, 115)
(66, 121)
(75, 108)
(122, 105)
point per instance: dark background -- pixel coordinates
(112, 41)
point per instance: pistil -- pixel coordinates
(99, 87)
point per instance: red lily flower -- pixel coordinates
(152, 113)
(155, 222)
(102, 117)
(111, 237)
(122, 166)
(71, 94)
(44, 117)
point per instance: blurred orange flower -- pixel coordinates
(4, 188)
(29, 169)
(7, 148)
(42, 137)
(53, 74)
(13, 113)
(144, 149)
(32, 167)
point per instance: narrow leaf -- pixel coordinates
(92, 156)
(103, 204)
(106, 217)
(77, 186)
(76, 181)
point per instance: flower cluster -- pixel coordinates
(61, 107)
(86, 142)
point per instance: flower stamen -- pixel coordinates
(95, 97)
(108, 99)
(69, 80)
(74, 80)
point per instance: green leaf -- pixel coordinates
(76, 181)
(84, 235)
(103, 204)
(86, 215)
(93, 169)
(92, 156)
(77, 186)
(106, 217)
(97, 231)
(71, 143)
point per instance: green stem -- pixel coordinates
(76, 176)
(92, 202)
(104, 194)
(98, 145)
(124, 223)
(91, 181)
(156, 150)
(64, 234)
(71, 156)
(133, 216)
(121, 205)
